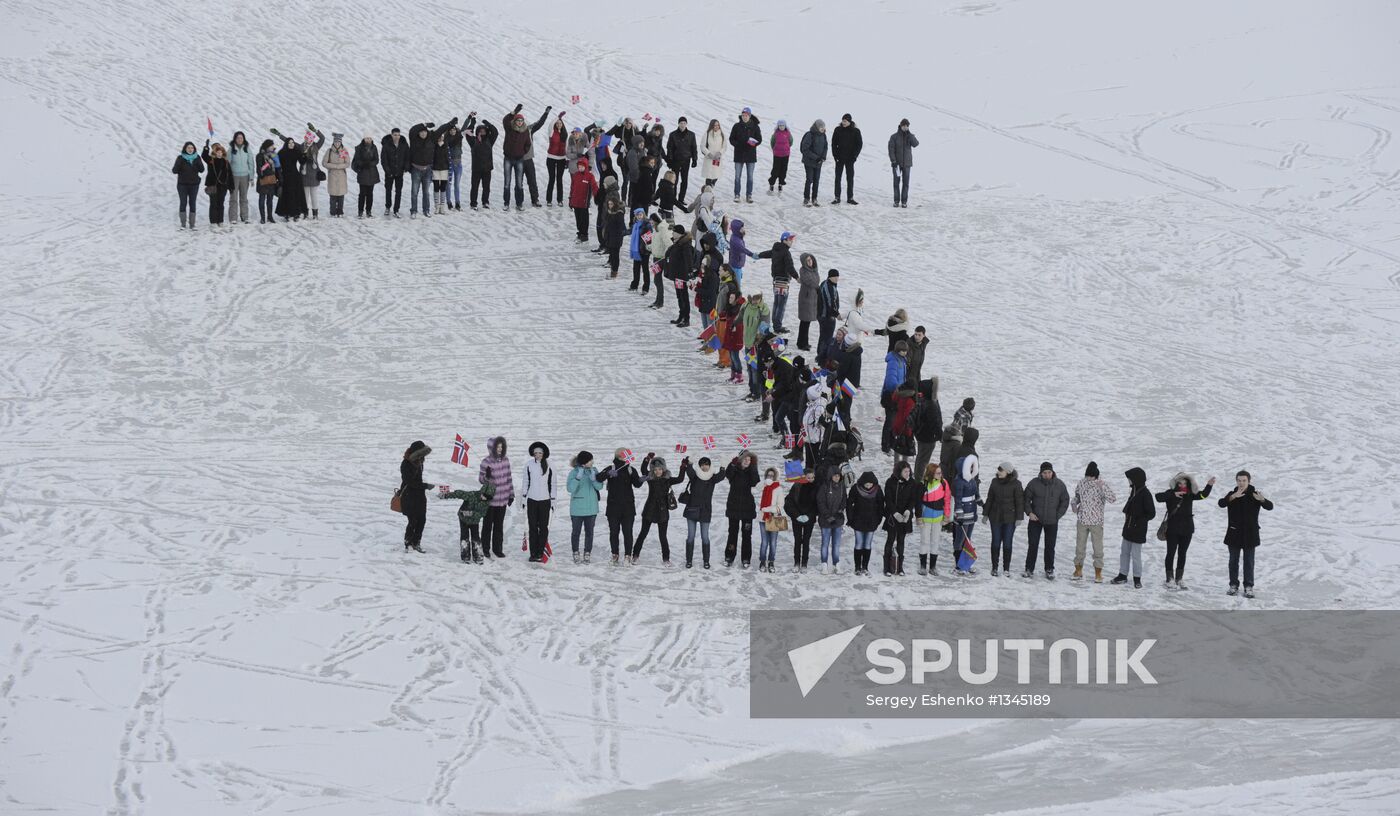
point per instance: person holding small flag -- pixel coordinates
(770, 510)
(475, 504)
(698, 498)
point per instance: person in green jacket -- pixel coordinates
(583, 502)
(469, 515)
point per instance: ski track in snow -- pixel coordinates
(201, 577)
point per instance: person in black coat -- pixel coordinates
(365, 163)
(393, 157)
(482, 140)
(621, 479)
(711, 264)
(665, 198)
(800, 505)
(680, 263)
(614, 228)
(865, 510)
(656, 509)
(291, 202)
(745, 136)
(681, 155)
(1138, 510)
(699, 497)
(188, 170)
(739, 507)
(1242, 506)
(1181, 522)
(845, 149)
(219, 182)
(928, 422)
(902, 506)
(413, 502)
(783, 272)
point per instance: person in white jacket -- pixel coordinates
(712, 151)
(1090, 496)
(770, 509)
(537, 488)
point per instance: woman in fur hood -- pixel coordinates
(658, 505)
(1180, 495)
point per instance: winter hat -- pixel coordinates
(678, 228)
(577, 130)
(903, 122)
(969, 404)
(682, 120)
(833, 273)
(335, 137)
(746, 110)
(658, 462)
(539, 446)
(1006, 467)
(788, 235)
(1044, 466)
(1092, 471)
(846, 117)
(584, 458)
(782, 123)
(639, 211)
(819, 124)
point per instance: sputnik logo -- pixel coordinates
(811, 662)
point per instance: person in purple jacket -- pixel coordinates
(739, 252)
(495, 468)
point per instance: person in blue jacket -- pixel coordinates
(639, 246)
(583, 490)
(896, 369)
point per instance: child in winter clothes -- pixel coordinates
(582, 189)
(831, 517)
(935, 513)
(1138, 510)
(583, 490)
(1090, 497)
(658, 505)
(475, 503)
(739, 251)
(638, 246)
(769, 508)
(801, 507)
(781, 142)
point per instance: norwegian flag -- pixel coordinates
(459, 451)
(680, 447)
(802, 437)
(788, 441)
(744, 441)
(573, 100)
(628, 456)
(709, 442)
(525, 547)
(646, 117)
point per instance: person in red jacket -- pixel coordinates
(733, 341)
(582, 188)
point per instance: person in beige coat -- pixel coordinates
(335, 162)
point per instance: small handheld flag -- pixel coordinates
(628, 456)
(789, 440)
(709, 442)
(459, 451)
(744, 441)
(848, 389)
(646, 117)
(680, 447)
(573, 100)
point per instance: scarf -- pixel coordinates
(189, 157)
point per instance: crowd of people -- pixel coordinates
(650, 166)
(637, 176)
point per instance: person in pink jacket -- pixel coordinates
(781, 142)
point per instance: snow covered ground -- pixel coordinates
(1159, 236)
